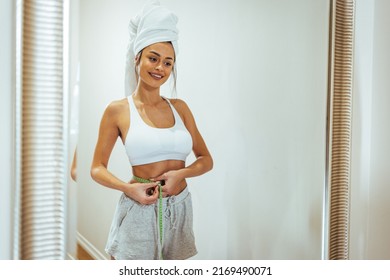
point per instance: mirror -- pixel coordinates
(243, 224)
(255, 78)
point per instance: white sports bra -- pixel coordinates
(146, 144)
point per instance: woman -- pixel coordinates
(153, 218)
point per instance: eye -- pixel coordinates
(169, 64)
(153, 59)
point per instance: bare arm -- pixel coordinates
(73, 170)
(204, 161)
(108, 135)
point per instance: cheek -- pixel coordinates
(143, 68)
(168, 73)
(169, 70)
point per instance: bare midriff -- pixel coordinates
(153, 170)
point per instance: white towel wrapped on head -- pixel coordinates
(153, 24)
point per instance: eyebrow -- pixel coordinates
(156, 53)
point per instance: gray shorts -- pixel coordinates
(134, 233)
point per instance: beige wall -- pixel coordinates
(370, 178)
(379, 224)
(7, 78)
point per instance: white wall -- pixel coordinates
(7, 77)
(255, 77)
(73, 86)
(370, 179)
(379, 225)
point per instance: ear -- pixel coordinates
(137, 59)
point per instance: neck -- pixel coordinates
(146, 95)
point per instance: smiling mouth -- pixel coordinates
(156, 76)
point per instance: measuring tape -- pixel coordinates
(160, 208)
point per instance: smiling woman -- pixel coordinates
(158, 63)
(158, 135)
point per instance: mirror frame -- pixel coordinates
(339, 126)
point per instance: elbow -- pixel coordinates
(73, 174)
(94, 172)
(210, 164)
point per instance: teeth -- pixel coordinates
(156, 76)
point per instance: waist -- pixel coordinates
(182, 185)
(156, 169)
(168, 199)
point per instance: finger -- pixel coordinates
(166, 190)
(150, 191)
(161, 177)
(148, 185)
(165, 194)
(150, 200)
(158, 192)
(157, 179)
(155, 194)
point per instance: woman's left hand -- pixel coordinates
(172, 184)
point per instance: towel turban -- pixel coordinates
(153, 24)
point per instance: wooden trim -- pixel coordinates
(339, 127)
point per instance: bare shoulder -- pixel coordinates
(117, 107)
(180, 105)
(118, 104)
(184, 111)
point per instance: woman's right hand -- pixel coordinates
(143, 193)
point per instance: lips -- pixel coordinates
(156, 76)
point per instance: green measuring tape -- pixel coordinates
(160, 209)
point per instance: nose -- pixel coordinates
(158, 67)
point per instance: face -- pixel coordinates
(156, 64)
